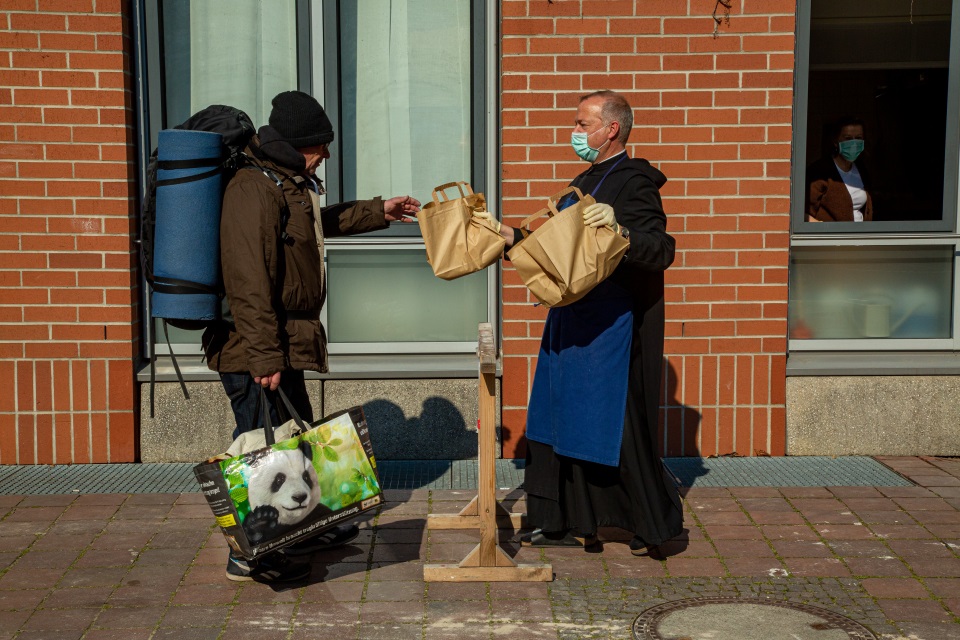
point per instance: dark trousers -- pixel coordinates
(244, 396)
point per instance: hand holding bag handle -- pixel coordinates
(551, 209)
(460, 184)
(268, 423)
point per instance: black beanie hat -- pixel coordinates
(300, 120)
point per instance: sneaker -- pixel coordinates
(336, 536)
(271, 568)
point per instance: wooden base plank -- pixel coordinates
(519, 573)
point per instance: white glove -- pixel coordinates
(486, 215)
(600, 215)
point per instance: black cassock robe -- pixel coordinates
(566, 493)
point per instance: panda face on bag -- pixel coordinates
(286, 481)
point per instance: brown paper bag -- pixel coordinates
(457, 243)
(561, 261)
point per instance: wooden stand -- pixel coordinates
(487, 562)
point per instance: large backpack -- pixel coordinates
(182, 174)
(235, 128)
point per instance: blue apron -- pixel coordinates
(580, 385)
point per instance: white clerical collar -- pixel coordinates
(616, 155)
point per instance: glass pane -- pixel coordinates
(242, 62)
(391, 295)
(878, 72)
(405, 94)
(183, 341)
(871, 292)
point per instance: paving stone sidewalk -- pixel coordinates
(150, 566)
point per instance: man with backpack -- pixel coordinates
(271, 246)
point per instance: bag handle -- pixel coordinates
(525, 225)
(460, 184)
(551, 209)
(555, 198)
(268, 427)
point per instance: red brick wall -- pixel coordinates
(715, 115)
(68, 300)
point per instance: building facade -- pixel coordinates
(784, 335)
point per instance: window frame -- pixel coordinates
(884, 233)
(331, 82)
(798, 222)
(885, 344)
(151, 86)
(484, 163)
(380, 348)
(316, 55)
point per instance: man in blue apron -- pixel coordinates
(592, 457)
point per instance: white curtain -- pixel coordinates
(235, 52)
(405, 97)
(406, 78)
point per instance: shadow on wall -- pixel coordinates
(514, 447)
(679, 430)
(440, 432)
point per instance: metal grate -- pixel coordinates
(100, 478)
(800, 471)
(813, 471)
(179, 478)
(445, 474)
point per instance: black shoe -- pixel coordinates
(640, 548)
(269, 569)
(336, 536)
(541, 538)
(527, 537)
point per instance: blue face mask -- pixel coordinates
(581, 146)
(850, 149)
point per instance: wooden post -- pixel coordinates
(487, 562)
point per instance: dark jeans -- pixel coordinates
(244, 396)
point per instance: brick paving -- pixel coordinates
(150, 566)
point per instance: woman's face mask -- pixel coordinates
(581, 145)
(850, 149)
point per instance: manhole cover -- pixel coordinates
(744, 619)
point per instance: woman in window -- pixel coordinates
(836, 188)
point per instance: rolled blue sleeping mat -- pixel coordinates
(186, 262)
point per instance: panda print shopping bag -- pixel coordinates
(286, 491)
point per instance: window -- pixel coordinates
(406, 100)
(879, 72)
(849, 293)
(242, 63)
(383, 294)
(186, 70)
(404, 83)
(874, 235)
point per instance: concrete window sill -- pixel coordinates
(903, 363)
(341, 368)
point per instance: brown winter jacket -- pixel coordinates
(275, 288)
(828, 199)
